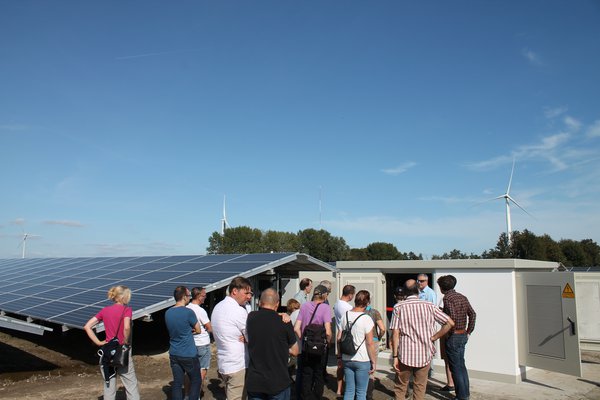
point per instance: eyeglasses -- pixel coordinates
(422, 280)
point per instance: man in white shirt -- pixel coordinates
(339, 310)
(201, 340)
(229, 329)
(425, 292)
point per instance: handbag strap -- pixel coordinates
(348, 326)
(313, 314)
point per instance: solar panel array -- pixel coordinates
(69, 291)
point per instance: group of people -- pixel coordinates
(254, 349)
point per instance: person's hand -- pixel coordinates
(339, 362)
(285, 318)
(397, 364)
(242, 339)
(101, 343)
(373, 368)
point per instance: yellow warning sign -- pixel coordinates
(568, 292)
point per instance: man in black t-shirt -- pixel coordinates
(270, 342)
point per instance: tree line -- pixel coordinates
(326, 247)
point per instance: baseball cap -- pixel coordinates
(320, 290)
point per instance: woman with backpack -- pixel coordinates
(117, 323)
(356, 347)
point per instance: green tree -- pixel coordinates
(412, 256)
(280, 241)
(574, 254)
(358, 255)
(502, 250)
(382, 251)
(526, 245)
(322, 245)
(552, 249)
(241, 239)
(592, 250)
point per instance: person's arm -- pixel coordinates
(381, 327)
(328, 331)
(208, 327)
(294, 350)
(371, 350)
(395, 343)
(444, 329)
(472, 315)
(90, 332)
(127, 331)
(297, 327)
(197, 329)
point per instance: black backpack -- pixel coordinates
(314, 337)
(347, 340)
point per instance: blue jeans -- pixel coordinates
(180, 367)
(356, 374)
(455, 353)
(283, 395)
(204, 356)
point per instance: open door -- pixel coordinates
(547, 312)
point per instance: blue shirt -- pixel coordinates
(428, 294)
(180, 321)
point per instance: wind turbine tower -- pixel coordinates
(224, 223)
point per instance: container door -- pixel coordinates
(374, 282)
(547, 312)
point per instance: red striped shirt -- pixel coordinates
(416, 319)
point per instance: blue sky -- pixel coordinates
(123, 124)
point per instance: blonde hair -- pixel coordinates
(292, 305)
(119, 294)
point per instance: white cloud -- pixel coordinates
(551, 113)
(399, 169)
(531, 56)
(594, 129)
(18, 221)
(72, 224)
(572, 124)
(549, 148)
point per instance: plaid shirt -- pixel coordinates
(457, 306)
(416, 321)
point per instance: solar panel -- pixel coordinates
(69, 291)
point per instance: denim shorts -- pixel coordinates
(204, 356)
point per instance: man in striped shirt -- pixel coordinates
(413, 335)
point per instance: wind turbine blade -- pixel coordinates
(511, 176)
(487, 201)
(518, 205)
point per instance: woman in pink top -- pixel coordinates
(117, 316)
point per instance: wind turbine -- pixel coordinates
(23, 243)
(507, 200)
(224, 223)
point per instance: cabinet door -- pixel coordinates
(547, 310)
